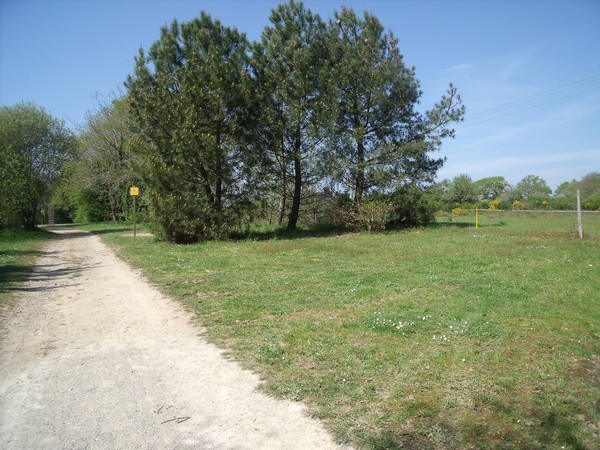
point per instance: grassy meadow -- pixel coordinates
(439, 337)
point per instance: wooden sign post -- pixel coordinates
(134, 191)
(579, 222)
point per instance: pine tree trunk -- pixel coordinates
(282, 187)
(295, 212)
(359, 182)
(218, 176)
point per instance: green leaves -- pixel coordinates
(311, 104)
(97, 183)
(187, 96)
(291, 63)
(34, 147)
(381, 141)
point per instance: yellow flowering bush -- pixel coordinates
(518, 204)
(458, 211)
(494, 205)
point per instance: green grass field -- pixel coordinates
(440, 337)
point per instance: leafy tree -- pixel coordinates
(34, 147)
(99, 180)
(509, 196)
(589, 187)
(565, 197)
(414, 206)
(566, 189)
(188, 96)
(382, 142)
(436, 195)
(590, 184)
(292, 61)
(490, 188)
(532, 187)
(372, 215)
(461, 190)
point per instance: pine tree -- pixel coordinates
(189, 96)
(381, 141)
(293, 63)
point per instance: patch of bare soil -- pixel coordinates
(93, 357)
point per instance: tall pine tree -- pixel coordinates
(293, 61)
(189, 97)
(381, 141)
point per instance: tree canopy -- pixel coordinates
(381, 141)
(34, 147)
(532, 187)
(95, 184)
(187, 97)
(490, 188)
(313, 104)
(461, 189)
(292, 64)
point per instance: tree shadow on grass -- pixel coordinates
(465, 225)
(330, 230)
(12, 275)
(18, 253)
(284, 234)
(33, 277)
(68, 232)
(111, 230)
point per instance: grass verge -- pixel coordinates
(18, 252)
(442, 337)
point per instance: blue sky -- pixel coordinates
(528, 71)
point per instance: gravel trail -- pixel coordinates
(92, 356)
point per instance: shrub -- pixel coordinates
(371, 215)
(458, 211)
(413, 206)
(518, 205)
(494, 204)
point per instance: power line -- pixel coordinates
(540, 95)
(533, 106)
(533, 101)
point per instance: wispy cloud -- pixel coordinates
(512, 64)
(574, 111)
(511, 69)
(510, 125)
(458, 69)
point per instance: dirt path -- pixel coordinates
(93, 357)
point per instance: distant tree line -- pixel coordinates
(87, 177)
(532, 192)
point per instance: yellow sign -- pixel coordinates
(134, 191)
